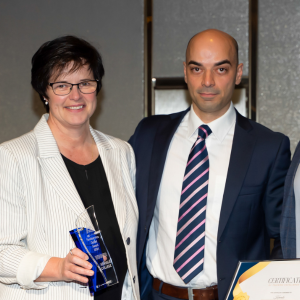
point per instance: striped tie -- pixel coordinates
(189, 248)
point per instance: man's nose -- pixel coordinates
(208, 79)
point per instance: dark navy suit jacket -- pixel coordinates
(288, 221)
(251, 206)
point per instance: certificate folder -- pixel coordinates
(266, 280)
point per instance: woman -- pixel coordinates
(51, 174)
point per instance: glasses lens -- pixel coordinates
(60, 88)
(88, 87)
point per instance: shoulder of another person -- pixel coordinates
(297, 151)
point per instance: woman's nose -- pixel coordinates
(75, 92)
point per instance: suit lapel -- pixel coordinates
(54, 167)
(58, 176)
(111, 160)
(241, 153)
(289, 181)
(161, 145)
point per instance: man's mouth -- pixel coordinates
(207, 95)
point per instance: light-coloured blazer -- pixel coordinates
(39, 205)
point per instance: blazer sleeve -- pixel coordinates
(132, 168)
(274, 194)
(17, 263)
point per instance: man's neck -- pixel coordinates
(208, 117)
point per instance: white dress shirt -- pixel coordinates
(162, 235)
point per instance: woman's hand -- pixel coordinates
(74, 267)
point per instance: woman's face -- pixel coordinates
(75, 109)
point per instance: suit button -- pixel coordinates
(128, 241)
(145, 228)
(133, 279)
(220, 241)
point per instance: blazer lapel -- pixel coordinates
(241, 153)
(159, 153)
(58, 176)
(111, 160)
(54, 167)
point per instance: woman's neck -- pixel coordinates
(75, 143)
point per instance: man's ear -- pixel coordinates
(184, 70)
(239, 73)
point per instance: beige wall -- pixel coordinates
(115, 27)
(278, 90)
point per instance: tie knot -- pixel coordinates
(204, 131)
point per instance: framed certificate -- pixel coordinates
(266, 280)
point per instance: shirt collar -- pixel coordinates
(219, 127)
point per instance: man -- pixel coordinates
(290, 224)
(209, 182)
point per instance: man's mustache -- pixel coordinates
(208, 91)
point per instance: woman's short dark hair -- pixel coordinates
(53, 57)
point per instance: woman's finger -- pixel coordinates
(80, 262)
(79, 253)
(81, 271)
(76, 277)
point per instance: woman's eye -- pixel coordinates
(62, 86)
(85, 83)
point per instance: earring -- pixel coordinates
(46, 101)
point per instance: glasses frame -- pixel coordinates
(51, 84)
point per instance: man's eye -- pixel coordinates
(196, 69)
(222, 70)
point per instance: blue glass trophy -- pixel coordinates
(88, 238)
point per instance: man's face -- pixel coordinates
(211, 73)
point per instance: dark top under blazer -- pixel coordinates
(252, 200)
(92, 186)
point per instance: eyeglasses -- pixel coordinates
(65, 88)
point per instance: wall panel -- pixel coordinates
(115, 27)
(176, 21)
(278, 90)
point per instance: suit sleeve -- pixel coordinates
(17, 263)
(274, 195)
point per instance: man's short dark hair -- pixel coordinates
(54, 56)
